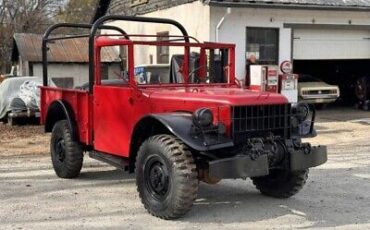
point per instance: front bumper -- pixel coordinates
(300, 160)
(22, 114)
(318, 100)
(242, 166)
(239, 167)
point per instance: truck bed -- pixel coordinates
(80, 103)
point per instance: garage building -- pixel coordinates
(328, 39)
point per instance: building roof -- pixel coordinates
(304, 4)
(76, 50)
(125, 7)
(129, 7)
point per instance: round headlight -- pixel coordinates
(302, 112)
(203, 117)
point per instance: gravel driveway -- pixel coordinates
(337, 194)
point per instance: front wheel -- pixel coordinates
(166, 177)
(281, 183)
(66, 154)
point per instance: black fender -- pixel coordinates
(181, 125)
(61, 110)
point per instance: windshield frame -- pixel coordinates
(186, 70)
(103, 41)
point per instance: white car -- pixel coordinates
(315, 91)
(20, 98)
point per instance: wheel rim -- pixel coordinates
(60, 149)
(156, 177)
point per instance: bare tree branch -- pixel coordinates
(22, 16)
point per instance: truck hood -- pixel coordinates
(212, 96)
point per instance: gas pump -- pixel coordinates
(272, 79)
(288, 82)
(264, 78)
(258, 77)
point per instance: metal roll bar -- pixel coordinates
(104, 19)
(99, 24)
(46, 39)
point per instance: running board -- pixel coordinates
(116, 161)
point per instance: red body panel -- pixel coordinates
(115, 111)
(208, 96)
(81, 103)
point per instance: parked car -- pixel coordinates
(312, 90)
(19, 98)
(5, 76)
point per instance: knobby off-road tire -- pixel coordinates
(166, 177)
(66, 154)
(281, 183)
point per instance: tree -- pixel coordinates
(34, 16)
(78, 11)
(22, 16)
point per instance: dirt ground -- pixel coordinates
(335, 196)
(22, 140)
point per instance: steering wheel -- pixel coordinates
(196, 78)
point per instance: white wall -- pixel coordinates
(233, 29)
(194, 16)
(331, 44)
(22, 68)
(79, 72)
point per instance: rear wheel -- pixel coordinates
(166, 177)
(281, 183)
(66, 154)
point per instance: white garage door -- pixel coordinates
(318, 44)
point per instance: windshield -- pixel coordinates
(206, 66)
(152, 74)
(308, 78)
(167, 62)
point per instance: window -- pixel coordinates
(163, 51)
(114, 65)
(264, 44)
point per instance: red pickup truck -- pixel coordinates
(197, 124)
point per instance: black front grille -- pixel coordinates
(315, 92)
(259, 120)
